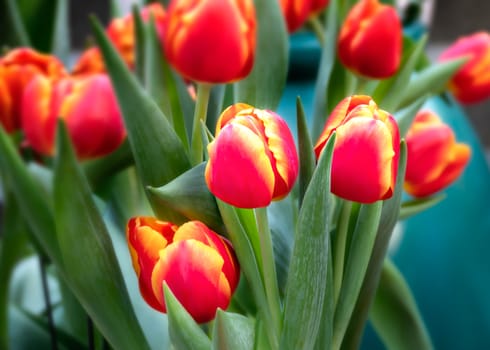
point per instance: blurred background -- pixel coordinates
(447, 20)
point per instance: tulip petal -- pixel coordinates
(239, 171)
(364, 147)
(192, 270)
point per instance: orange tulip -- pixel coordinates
(471, 83)
(120, 32)
(253, 158)
(211, 41)
(17, 68)
(370, 40)
(197, 264)
(366, 150)
(434, 159)
(88, 106)
(295, 12)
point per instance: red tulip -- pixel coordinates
(253, 158)
(471, 83)
(370, 40)
(87, 105)
(211, 40)
(17, 68)
(434, 159)
(318, 5)
(198, 265)
(120, 32)
(295, 12)
(366, 150)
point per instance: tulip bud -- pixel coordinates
(87, 105)
(211, 41)
(17, 68)
(197, 264)
(471, 83)
(366, 150)
(434, 159)
(120, 32)
(253, 158)
(370, 40)
(295, 12)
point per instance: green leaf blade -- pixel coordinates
(308, 271)
(91, 268)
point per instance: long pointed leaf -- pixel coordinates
(308, 271)
(233, 331)
(395, 315)
(184, 332)
(31, 198)
(158, 152)
(92, 271)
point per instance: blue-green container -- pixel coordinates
(444, 252)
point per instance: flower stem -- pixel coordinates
(269, 269)
(339, 253)
(317, 28)
(47, 301)
(200, 113)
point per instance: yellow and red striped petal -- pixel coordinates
(193, 271)
(211, 40)
(362, 161)
(239, 171)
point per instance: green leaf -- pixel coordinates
(91, 268)
(140, 44)
(185, 333)
(308, 271)
(29, 331)
(389, 91)
(99, 170)
(307, 161)
(19, 35)
(264, 86)
(430, 80)
(405, 117)
(31, 198)
(158, 152)
(395, 315)
(418, 205)
(60, 38)
(189, 195)
(389, 218)
(167, 88)
(359, 253)
(233, 331)
(12, 246)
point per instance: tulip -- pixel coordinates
(366, 150)
(86, 104)
(253, 158)
(211, 41)
(198, 265)
(434, 159)
(17, 68)
(370, 40)
(120, 32)
(471, 83)
(295, 12)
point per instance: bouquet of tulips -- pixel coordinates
(169, 205)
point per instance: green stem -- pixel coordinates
(269, 271)
(340, 242)
(200, 113)
(317, 28)
(47, 300)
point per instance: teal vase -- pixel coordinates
(443, 252)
